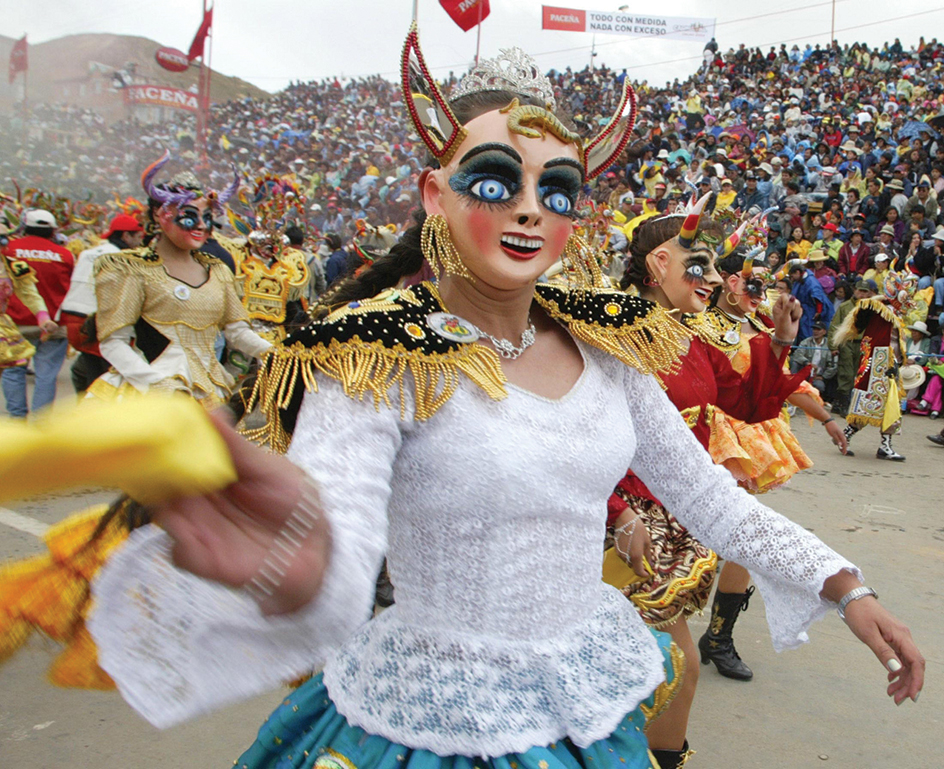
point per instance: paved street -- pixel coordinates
(820, 706)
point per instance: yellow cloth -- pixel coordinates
(892, 405)
(154, 448)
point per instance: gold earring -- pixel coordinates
(580, 262)
(731, 298)
(439, 250)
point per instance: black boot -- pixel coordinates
(673, 759)
(885, 450)
(716, 644)
(849, 431)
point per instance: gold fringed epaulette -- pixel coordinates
(142, 259)
(369, 347)
(636, 331)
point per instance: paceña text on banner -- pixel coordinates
(629, 24)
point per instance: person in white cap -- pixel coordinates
(52, 264)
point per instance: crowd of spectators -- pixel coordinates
(840, 144)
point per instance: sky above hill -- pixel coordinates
(273, 42)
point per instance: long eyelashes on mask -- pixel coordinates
(491, 178)
(695, 269)
(558, 190)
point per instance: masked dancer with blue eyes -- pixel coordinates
(162, 306)
(761, 455)
(672, 263)
(470, 429)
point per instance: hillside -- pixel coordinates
(59, 69)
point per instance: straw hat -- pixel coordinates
(817, 255)
(912, 376)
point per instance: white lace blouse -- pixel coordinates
(492, 518)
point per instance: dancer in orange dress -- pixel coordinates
(672, 263)
(761, 455)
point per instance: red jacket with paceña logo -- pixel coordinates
(52, 264)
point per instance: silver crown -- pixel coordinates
(185, 180)
(512, 70)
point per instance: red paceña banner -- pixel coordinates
(466, 13)
(18, 58)
(171, 59)
(566, 19)
(161, 96)
(196, 47)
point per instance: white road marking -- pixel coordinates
(22, 522)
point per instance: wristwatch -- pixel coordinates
(853, 595)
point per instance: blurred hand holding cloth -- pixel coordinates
(152, 447)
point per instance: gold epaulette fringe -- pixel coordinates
(652, 344)
(368, 368)
(136, 261)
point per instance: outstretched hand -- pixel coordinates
(225, 536)
(891, 642)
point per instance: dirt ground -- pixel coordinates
(820, 706)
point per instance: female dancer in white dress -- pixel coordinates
(469, 431)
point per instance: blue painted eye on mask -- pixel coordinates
(558, 202)
(189, 219)
(488, 177)
(491, 190)
(559, 187)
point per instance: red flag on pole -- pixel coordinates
(466, 13)
(196, 47)
(18, 58)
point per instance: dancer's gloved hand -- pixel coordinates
(225, 536)
(632, 542)
(887, 637)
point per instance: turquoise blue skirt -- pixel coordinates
(307, 731)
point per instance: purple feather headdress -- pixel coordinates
(179, 194)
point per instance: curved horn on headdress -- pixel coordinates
(226, 194)
(731, 242)
(747, 269)
(147, 177)
(432, 118)
(762, 216)
(600, 152)
(173, 196)
(686, 235)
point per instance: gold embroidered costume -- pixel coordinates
(174, 325)
(266, 286)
